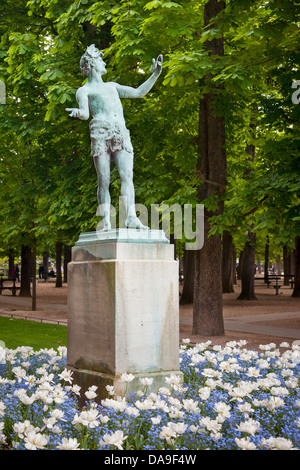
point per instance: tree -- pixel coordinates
(228, 263)
(208, 303)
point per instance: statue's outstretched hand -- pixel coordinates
(157, 64)
(74, 112)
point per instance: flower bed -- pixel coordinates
(231, 398)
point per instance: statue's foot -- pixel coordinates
(106, 227)
(134, 222)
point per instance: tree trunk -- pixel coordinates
(46, 260)
(234, 269)
(67, 259)
(187, 295)
(25, 271)
(248, 263)
(227, 263)
(247, 269)
(286, 266)
(239, 268)
(58, 252)
(208, 303)
(296, 291)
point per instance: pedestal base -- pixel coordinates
(87, 378)
(123, 311)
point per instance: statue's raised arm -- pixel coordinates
(144, 88)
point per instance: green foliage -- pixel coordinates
(47, 178)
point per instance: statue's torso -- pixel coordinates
(105, 103)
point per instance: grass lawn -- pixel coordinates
(15, 332)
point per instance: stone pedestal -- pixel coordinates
(123, 310)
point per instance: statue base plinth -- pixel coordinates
(123, 311)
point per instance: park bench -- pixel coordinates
(12, 286)
(263, 280)
(278, 280)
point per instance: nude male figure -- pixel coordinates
(110, 139)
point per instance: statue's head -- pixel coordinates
(88, 59)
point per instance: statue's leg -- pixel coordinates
(124, 163)
(102, 165)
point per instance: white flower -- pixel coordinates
(59, 395)
(238, 393)
(196, 358)
(178, 428)
(115, 439)
(227, 366)
(90, 394)
(191, 405)
(167, 433)
(194, 428)
(44, 396)
(132, 411)
(68, 444)
(250, 426)
(45, 386)
(75, 389)
(26, 400)
(263, 363)
(245, 444)
(211, 373)
(89, 418)
(186, 340)
(49, 422)
(165, 391)
(57, 414)
(278, 443)
(66, 375)
(146, 381)
(175, 402)
(35, 441)
(175, 413)
(104, 419)
(30, 380)
(157, 420)
(144, 405)
(2, 408)
(272, 403)
(223, 411)
(253, 372)
(204, 393)
(212, 425)
(110, 389)
(279, 391)
(173, 379)
(245, 408)
(287, 373)
(19, 372)
(126, 377)
(23, 428)
(116, 404)
(292, 382)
